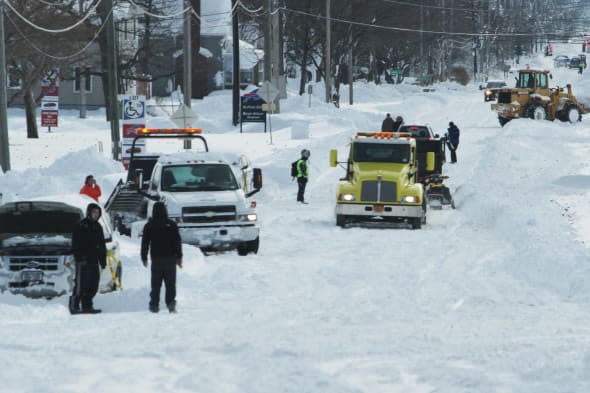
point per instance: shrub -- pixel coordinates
(459, 75)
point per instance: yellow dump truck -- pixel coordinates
(381, 182)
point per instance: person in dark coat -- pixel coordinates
(397, 123)
(387, 124)
(89, 249)
(453, 141)
(302, 175)
(162, 239)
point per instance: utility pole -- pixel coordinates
(112, 79)
(82, 76)
(328, 58)
(350, 58)
(188, 82)
(4, 150)
(277, 64)
(268, 44)
(236, 65)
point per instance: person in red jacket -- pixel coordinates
(90, 188)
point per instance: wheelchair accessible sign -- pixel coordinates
(133, 118)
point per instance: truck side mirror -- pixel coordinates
(257, 178)
(138, 179)
(430, 161)
(333, 158)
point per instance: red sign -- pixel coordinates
(129, 130)
(49, 118)
(51, 91)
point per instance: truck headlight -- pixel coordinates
(346, 197)
(411, 199)
(249, 217)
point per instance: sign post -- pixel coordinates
(268, 92)
(133, 118)
(251, 109)
(50, 100)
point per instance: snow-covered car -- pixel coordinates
(35, 247)
(491, 89)
(561, 61)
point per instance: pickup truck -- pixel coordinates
(205, 193)
(35, 247)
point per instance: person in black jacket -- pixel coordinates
(453, 141)
(387, 124)
(89, 249)
(162, 239)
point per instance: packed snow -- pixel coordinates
(491, 297)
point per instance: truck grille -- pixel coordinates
(504, 97)
(207, 214)
(17, 264)
(370, 191)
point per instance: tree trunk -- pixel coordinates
(30, 109)
(303, 79)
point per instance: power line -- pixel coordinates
(40, 28)
(404, 29)
(76, 54)
(161, 16)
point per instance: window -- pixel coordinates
(199, 177)
(77, 79)
(542, 81)
(374, 152)
(13, 80)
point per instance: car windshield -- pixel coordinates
(386, 152)
(416, 131)
(198, 177)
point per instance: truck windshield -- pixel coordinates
(386, 152)
(198, 177)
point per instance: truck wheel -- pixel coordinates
(246, 248)
(416, 222)
(503, 120)
(573, 114)
(537, 112)
(341, 220)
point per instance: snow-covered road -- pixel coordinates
(491, 297)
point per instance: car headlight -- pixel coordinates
(175, 218)
(488, 92)
(411, 199)
(249, 217)
(346, 197)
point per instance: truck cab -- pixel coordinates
(206, 195)
(381, 184)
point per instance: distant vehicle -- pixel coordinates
(574, 63)
(491, 89)
(561, 61)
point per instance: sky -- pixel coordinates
(492, 297)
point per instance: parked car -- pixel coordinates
(561, 61)
(491, 89)
(35, 246)
(574, 63)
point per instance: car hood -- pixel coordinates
(175, 201)
(47, 244)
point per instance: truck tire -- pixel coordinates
(573, 114)
(416, 222)
(537, 112)
(246, 248)
(341, 220)
(119, 275)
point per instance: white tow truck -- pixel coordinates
(205, 193)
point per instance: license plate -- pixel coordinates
(378, 208)
(31, 275)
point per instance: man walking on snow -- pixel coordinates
(453, 141)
